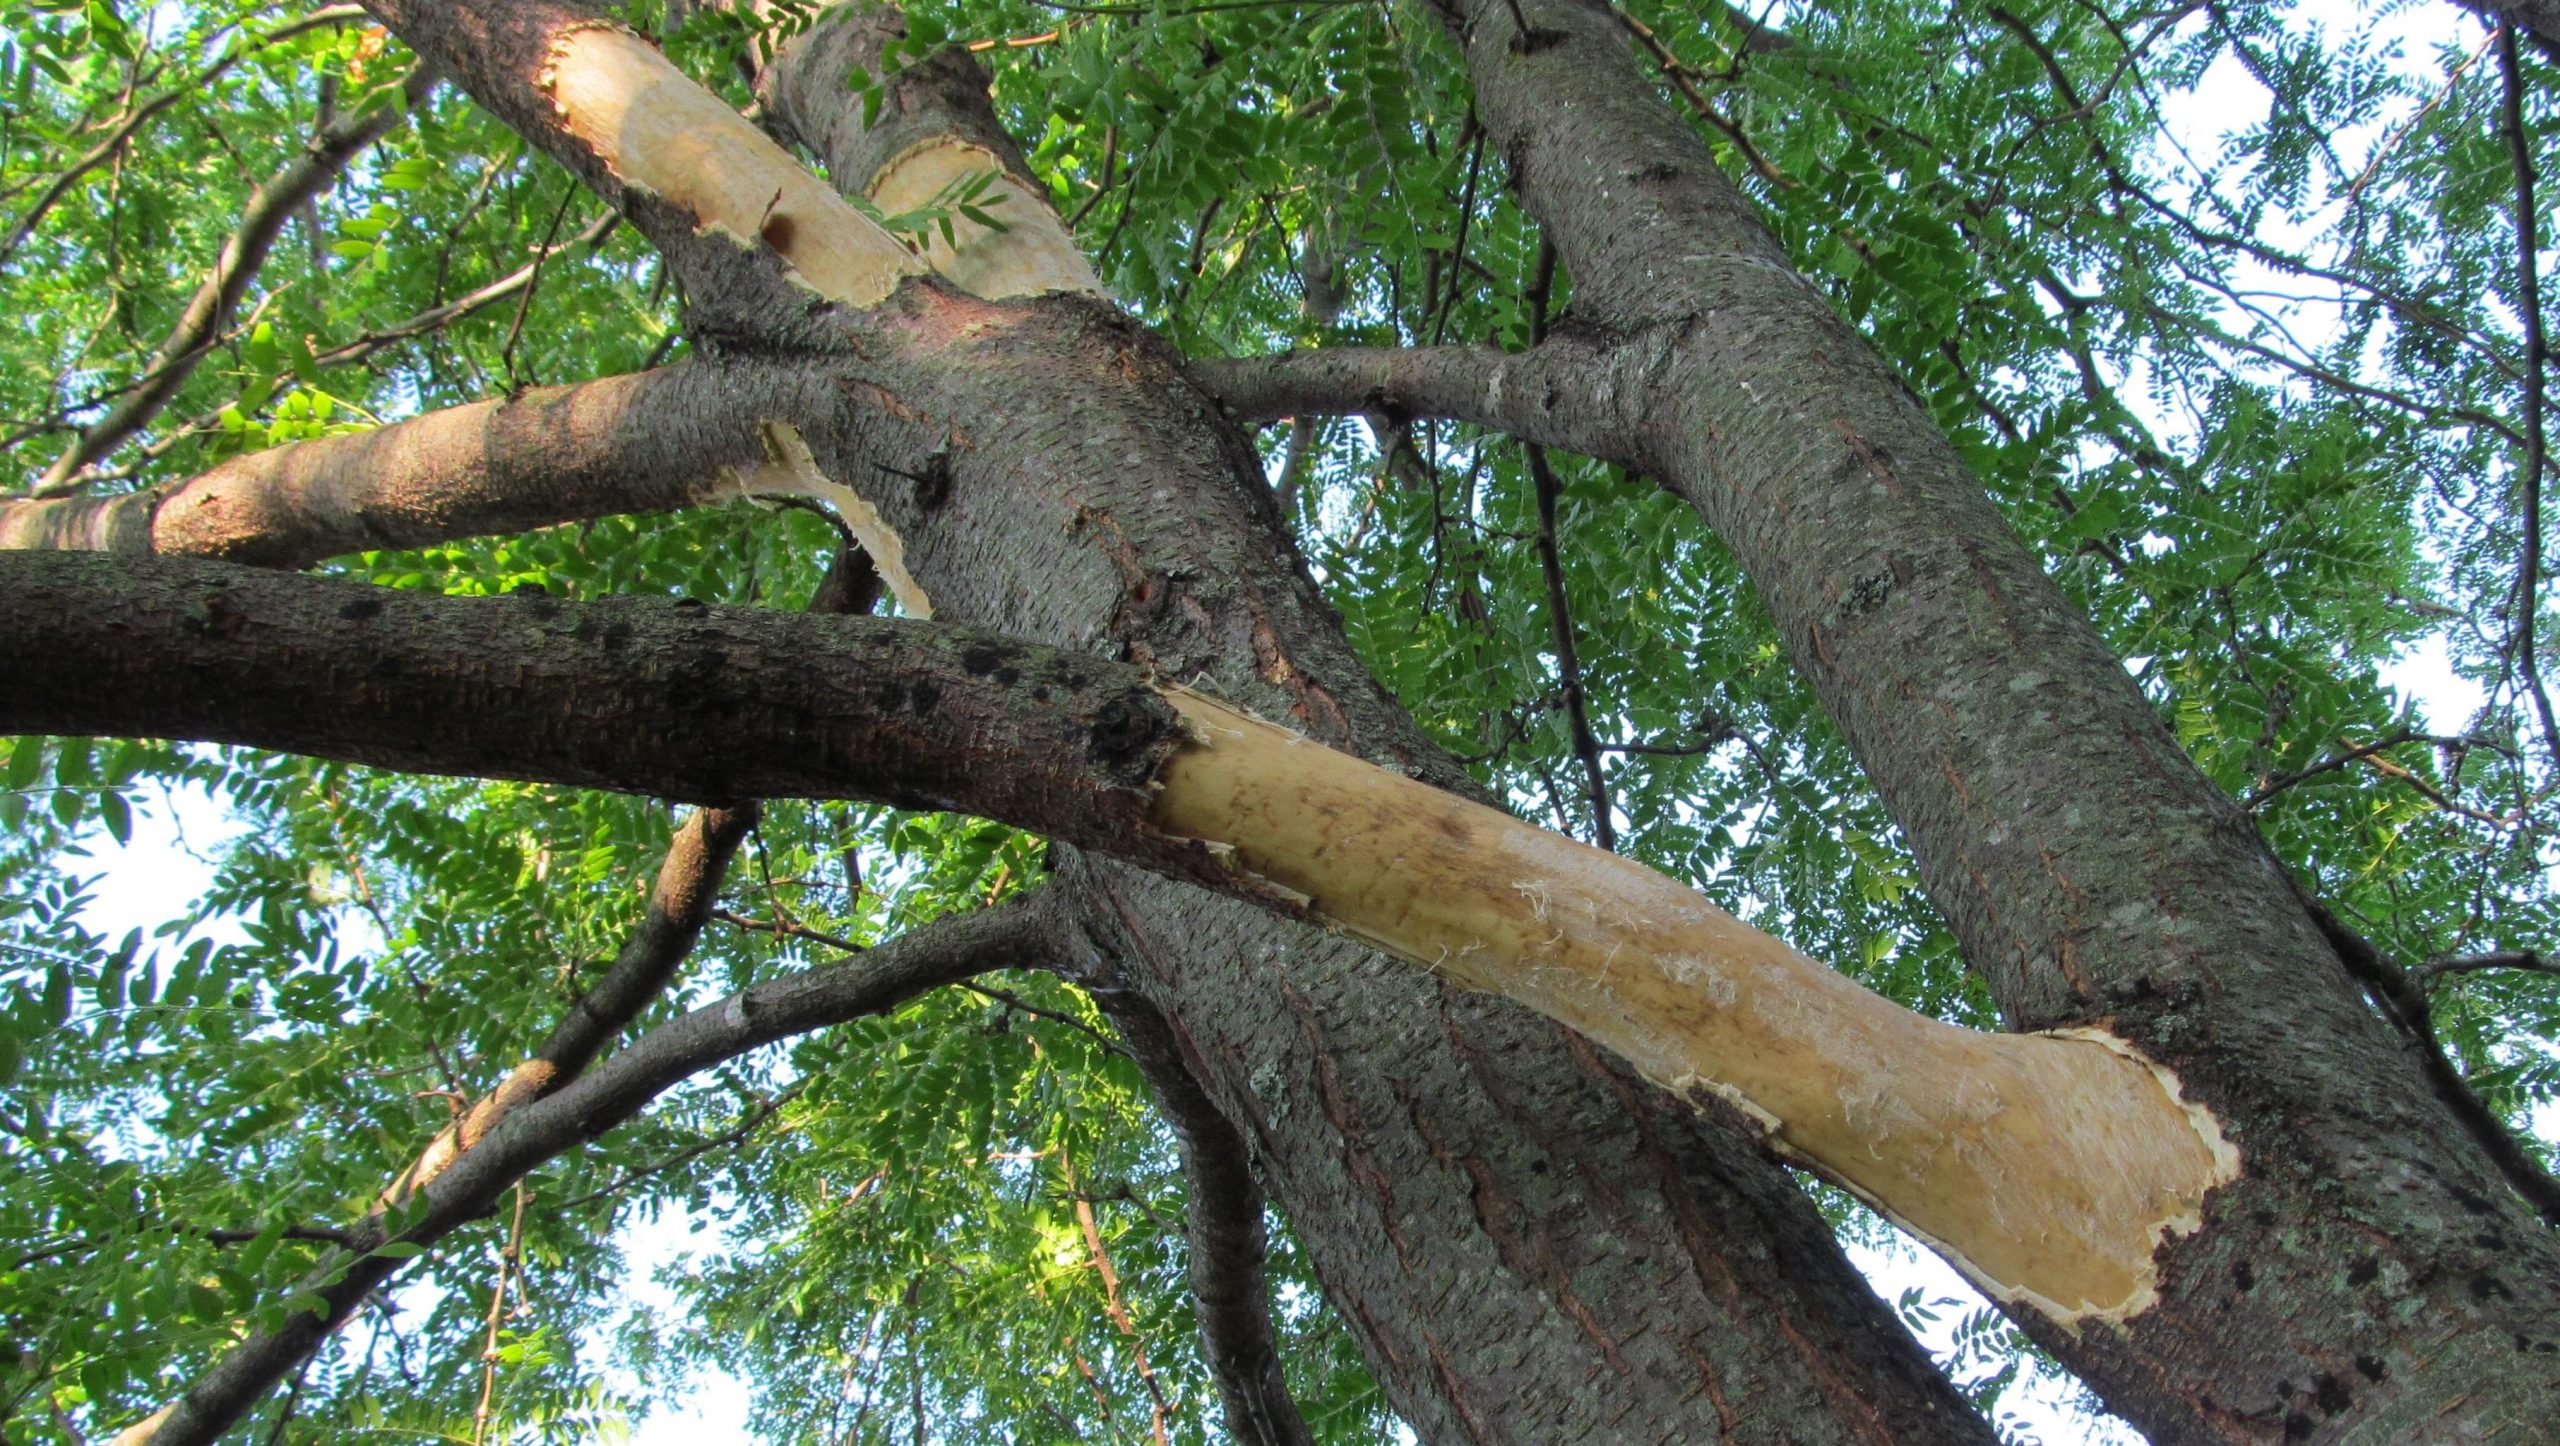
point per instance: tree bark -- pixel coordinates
(2370, 1274)
(1530, 1244)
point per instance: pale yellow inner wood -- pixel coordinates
(660, 132)
(2048, 1166)
(1031, 254)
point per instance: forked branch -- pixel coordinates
(1011, 935)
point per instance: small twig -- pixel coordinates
(532, 285)
(1015, 1001)
(786, 929)
(1102, 188)
(753, 1121)
(2392, 142)
(508, 1261)
(2269, 788)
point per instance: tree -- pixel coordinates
(2218, 1163)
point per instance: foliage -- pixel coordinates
(2253, 394)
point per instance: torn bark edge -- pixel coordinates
(660, 135)
(1210, 863)
(1714, 1097)
(2142, 1173)
(790, 470)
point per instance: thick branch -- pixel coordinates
(1230, 1290)
(1568, 392)
(1012, 935)
(684, 701)
(934, 134)
(209, 311)
(643, 443)
(749, 231)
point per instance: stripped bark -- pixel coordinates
(643, 443)
(1415, 1136)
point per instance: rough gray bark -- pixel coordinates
(701, 704)
(2371, 1275)
(1530, 1244)
(2537, 18)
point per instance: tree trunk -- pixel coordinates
(2372, 1273)
(1530, 1244)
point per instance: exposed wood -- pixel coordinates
(2048, 1166)
(662, 134)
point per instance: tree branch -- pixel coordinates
(2269, 788)
(684, 701)
(135, 119)
(2401, 999)
(648, 442)
(1577, 709)
(680, 904)
(2526, 960)
(1014, 934)
(2541, 17)
(1568, 391)
(2537, 361)
(746, 228)
(1229, 1287)
(188, 342)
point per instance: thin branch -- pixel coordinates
(680, 903)
(524, 303)
(2269, 788)
(1577, 706)
(2537, 358)
(1016, 933)
(1021, 1005)
(1229, 1286)
(2524, 960)
(752, 1122)
(2398, 996)
(141, 115)
(243, 254)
